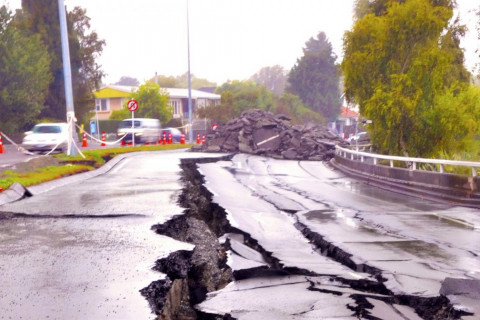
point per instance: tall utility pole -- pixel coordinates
(67, 74)
(190, 131)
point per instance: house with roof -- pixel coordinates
(113, 97)
(346, 123)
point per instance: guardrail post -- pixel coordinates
(375, 161)
(361, 159)
(414, 166)
(474, 171)
(391, 163)
(442, 170)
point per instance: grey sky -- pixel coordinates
(229, 39)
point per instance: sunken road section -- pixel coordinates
(191, 275)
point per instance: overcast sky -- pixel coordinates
(229, 39)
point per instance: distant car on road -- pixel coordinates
(46, 136)
(357, 137)
(176, 134)
(143, 130)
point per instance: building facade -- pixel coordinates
(113, 97)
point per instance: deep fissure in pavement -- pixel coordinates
(192, 274)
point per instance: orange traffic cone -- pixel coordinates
(170, 140)
(84, 140)
(1, 144)
(103, 139)
(164, 140)
(203, 139)
(198, 138)
(182, 138)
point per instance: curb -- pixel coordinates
(17, 192)
(14, 193)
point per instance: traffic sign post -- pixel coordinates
(132, 105)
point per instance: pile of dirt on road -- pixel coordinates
(263, 133)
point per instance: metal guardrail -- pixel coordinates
(411, 163)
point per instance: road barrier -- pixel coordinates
(164, 139)
(103, 144)
(84, 140)
(102, 141)
(406, 175)
(410, 163)
(1, 144)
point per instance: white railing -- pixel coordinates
(410, 163)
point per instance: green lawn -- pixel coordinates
(72, 165)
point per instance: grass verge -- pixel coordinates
(73, 165)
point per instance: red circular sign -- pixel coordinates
(132, 105)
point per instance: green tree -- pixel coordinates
(400, 63)
(181, 81)
(379, 7)
(166, 82)
(24, 75)
(361, 8)
(314, 78)
(293, 107)
(236, 97)
(219, 113)
(86, 72)
(477, 51)
(41, 17)
(246, 95)
(274, 78)
(127, 81)
(152, 103)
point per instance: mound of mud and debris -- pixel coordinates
(263, 133)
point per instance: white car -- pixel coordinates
(142, 130)
(46, 136)
(356, 137)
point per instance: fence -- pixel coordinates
(411, 163)
(408, 175)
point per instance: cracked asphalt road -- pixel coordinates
(414, 244)
(84, 250)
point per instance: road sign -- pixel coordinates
(132, 105)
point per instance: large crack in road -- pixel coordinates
(192, 275)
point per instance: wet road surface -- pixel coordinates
(84, 250)
(414, 243)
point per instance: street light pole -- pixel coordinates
(190, 131)
(67, 75)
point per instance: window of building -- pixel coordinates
(176, 107)
(102, 105)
